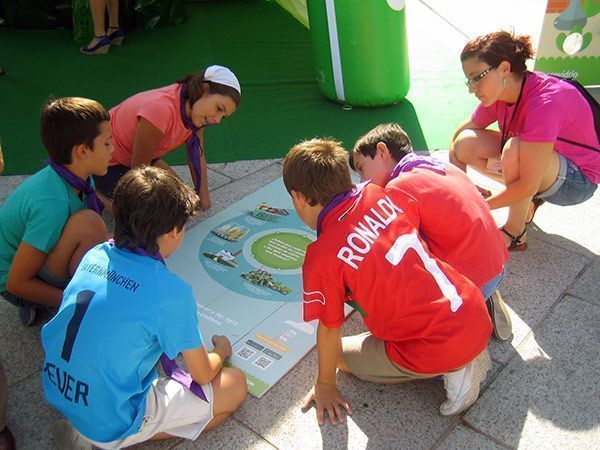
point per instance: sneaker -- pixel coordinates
(27, 315)
(462, 386)
(66, 437)
(500, 317)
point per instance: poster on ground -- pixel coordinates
(244, 265)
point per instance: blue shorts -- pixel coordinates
(571, 186)
(47, 277)
(490, 287)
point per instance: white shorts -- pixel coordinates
(170, 408)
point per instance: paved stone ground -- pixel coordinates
(543, 391)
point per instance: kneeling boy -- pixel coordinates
(453, 217)
(53, 217)
(424, 318)
(121, 311)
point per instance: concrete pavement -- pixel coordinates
(543, 391)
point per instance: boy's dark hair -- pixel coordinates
(196, 88)
(317, 168)
(493, 48)
(391, 134)
(70, 121)
(149, 202)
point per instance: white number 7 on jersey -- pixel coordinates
(397, 252)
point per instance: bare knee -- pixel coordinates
(239, 385)
(86, 226)
(230, 388)
(463, 146)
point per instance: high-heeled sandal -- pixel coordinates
(537, 202)
(116, 37)
(515, 241)
(485, 193)
(101, 47)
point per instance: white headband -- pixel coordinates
(222, 75)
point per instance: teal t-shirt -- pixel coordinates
(35, 213)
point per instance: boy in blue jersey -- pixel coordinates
(121, 311)
(52, 218)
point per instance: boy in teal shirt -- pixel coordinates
(53, 217)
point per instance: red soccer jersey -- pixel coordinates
(432, 318)
(455, 221)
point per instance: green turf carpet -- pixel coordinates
(268, 50)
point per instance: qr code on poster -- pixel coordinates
(245, 352)
(262, 362)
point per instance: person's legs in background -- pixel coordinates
(115, 32)
(1, 156)
(102, 40)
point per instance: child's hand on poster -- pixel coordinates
(222, 346)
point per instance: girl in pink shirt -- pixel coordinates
(547, 148)
(152, 123)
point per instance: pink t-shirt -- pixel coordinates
(160, 107)
(549, 108)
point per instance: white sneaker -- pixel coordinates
(66, 437)
(462, 386)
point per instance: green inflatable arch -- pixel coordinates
(360, 48)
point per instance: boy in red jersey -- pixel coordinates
(453, 217)
(424, 318)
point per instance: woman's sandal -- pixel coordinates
(117, 35)
(485, 193)
(537, 202)
(101, 47)
(515, 241)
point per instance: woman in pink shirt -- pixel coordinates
(547, 148)
(152, 123)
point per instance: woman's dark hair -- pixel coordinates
(149, 202)
(493, 48)
(196, 88)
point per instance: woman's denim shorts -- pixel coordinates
(571, 186)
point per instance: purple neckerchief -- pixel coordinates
(170, 366)
(337, 200)
(412, 161)
(193, 146)
(142, 252)
(177, 374)
(85, 186)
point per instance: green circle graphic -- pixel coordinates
(281, 250)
